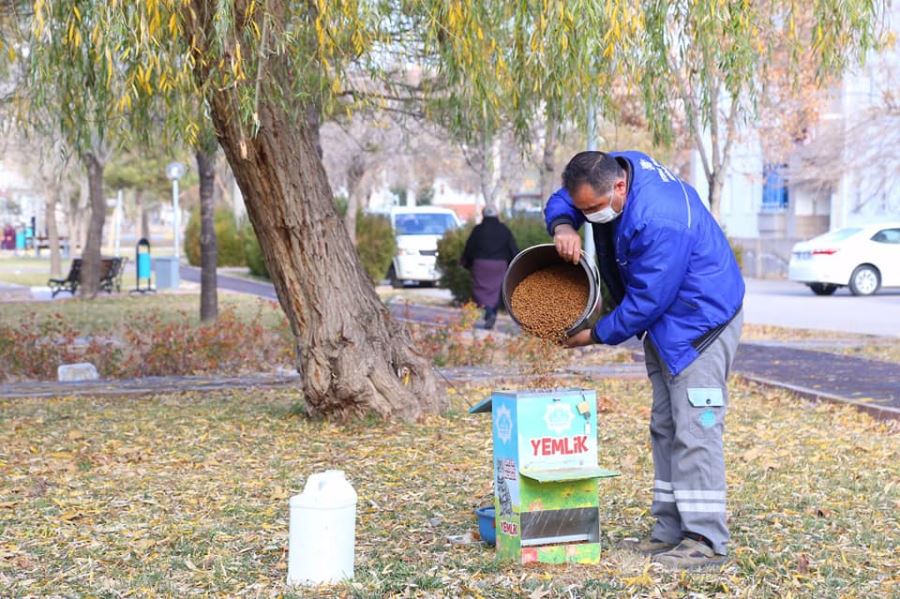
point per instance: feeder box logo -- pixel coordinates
(559, 417)
(504, 424)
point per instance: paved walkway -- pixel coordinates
(11, 292)
(871, 385)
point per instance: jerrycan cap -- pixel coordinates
(325, 491)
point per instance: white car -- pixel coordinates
(866, 258)
(418, 230)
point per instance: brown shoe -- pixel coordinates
(690, 555)
(645, 546)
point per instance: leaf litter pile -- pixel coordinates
(177, 495)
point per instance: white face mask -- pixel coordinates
(603, 216)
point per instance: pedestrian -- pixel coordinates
(489, 250)
(9, 237)
(676, 286)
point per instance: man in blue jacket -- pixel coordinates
(677, 286)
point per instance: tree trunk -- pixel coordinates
(143, 216)
(355, 173)
(53, 232)
(355, 359)
(91, 259)
(715, 183)
(209, 302)
(548, 165)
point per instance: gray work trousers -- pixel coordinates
(686, 426)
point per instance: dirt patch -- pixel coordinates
(549, 301)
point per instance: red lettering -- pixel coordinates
(580, 444)
(509, 528)
(558, 445)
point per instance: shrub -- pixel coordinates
(738, 252)
(228, 238)
(32, 349)
(376, 247)
(229, 344)
(253, 252)
(453, 276)
(145, 346)
(375, 244)
(527, 231)
(454, 342)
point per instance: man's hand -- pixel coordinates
(580, 339)
(568, 243)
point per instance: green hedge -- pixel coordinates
(453, 276)
(255, 260)
(738, 253)
(527, 231)
(376, 246)
(229, 240)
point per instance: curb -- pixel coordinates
(874, 410)
(815, 395)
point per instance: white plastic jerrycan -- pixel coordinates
(323, 530)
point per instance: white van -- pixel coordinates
(418, 230)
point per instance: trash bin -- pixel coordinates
(166, 269)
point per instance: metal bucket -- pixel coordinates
(541, 256)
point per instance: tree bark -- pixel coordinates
(209, 302)
(91, 258)
(355, 173)
(355, 359)
(714, 187)
(548, 165)
(53, 232)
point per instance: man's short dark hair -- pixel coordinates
(597, 169)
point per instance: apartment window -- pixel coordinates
(775, 190)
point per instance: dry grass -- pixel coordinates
(187, 495)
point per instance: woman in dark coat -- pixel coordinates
(489, 250)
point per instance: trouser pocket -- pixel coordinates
(707, 410)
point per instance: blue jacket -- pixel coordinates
(680, 279)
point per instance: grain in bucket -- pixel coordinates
(548, 297)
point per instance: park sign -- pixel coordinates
(546, 477)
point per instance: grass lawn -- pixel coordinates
(107, 312)
(33, 271)
(29, 271)
(177, 495)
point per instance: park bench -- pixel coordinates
(111, 270)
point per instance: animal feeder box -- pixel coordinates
(546, 475)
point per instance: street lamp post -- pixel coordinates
(174, 172)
